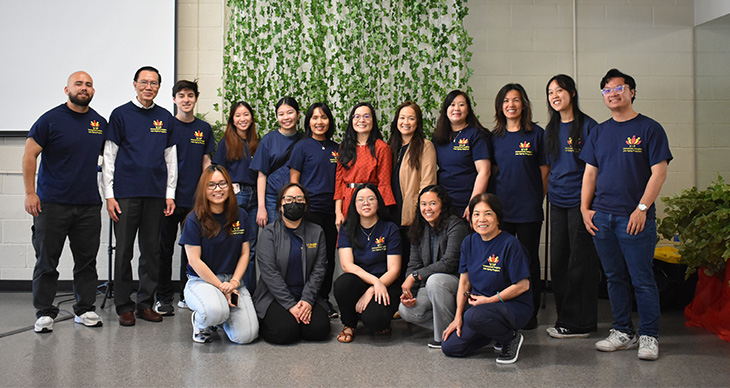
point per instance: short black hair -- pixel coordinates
(492, 201)
(148, 68)
(185, 84)
(616, 73)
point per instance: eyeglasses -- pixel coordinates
(618, 90)
(153, 84)
(361, 200)
(222, 185)
(365, 117)
(432, 203)
(290, 199)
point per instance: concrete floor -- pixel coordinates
(163, 354)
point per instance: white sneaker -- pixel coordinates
(648, 348)
(616, 340)
(89, 319)
(181, 304)
(43, 324)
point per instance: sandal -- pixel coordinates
(346, 335)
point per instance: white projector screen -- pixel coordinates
(44, 41)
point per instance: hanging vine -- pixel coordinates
(343, 52)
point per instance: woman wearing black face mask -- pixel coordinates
(291, 256)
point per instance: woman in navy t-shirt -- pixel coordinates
(520, 177)
(463, 151)
(235, 152)
(370, 250)
(313, 164)
(216, 241)
(573, 258)
(494, 282)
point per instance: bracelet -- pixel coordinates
(500, 297)
(236, 280)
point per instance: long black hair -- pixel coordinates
(416, 145)
(419, 223)
(348, 148)
(326, 110)
(352, 222)
(500, 120)
(443, 133)
(552, 130)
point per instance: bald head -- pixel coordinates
(80, 91)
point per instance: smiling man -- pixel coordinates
(195, 142)
(626, 164)
(140, 177)
(67, 201)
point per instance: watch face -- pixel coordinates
(642, 207)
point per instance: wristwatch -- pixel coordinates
(643, 207)
(415, 276)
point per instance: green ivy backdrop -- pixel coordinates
(344, 52)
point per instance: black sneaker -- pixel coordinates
(562, 332)
(164, 308)
(511, 350)
(331, 312)
(434, 344)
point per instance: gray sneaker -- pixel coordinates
(88, 319)
(43, 324)
(617, 340)
(648, 348)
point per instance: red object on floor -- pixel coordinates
(710, 307)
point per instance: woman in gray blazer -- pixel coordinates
(291, 256)
(429, 291)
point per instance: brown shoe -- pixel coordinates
(149, 315)
(127, 319)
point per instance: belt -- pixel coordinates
(354, 185)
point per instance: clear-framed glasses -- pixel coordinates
(618, 90)
(365, 117)
(362, 200)
(222, 185)
(291, 199)
(153, 84)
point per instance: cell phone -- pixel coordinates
(234, 299)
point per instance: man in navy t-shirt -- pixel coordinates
(67, 201)
(626, 164)
(140, 177)
(195, 142)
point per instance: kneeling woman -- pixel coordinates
(292, 257)
(495, 282)
(216, 241)
(370, 255)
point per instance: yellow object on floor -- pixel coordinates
(667, 254)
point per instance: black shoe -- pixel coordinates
(331, 312)
(562, 332)
(163, 308)
(531, 324)
(511, 350)
(434, 344)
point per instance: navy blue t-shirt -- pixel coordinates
(238, 169)
(384, 241)
(294, 277)
(274, 151)
(193, 140)
(495, 265)
(220, 253)
(456, 159)
(624, 152)
(317, 162)
(566, 170)
(142, 136)
(518, 181)
(71, 145)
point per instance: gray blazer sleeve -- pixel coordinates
(454, 234)
(270, 271)
(316, 275)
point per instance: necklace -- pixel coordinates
(366, 234)
(401, 152)
(458, 133)
(322, 143)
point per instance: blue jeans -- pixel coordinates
(627, 259)
(271, 207)
(211, 309)
(248, 201)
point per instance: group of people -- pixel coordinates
(397, 213)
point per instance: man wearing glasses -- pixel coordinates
(140, 177)
(626, 164)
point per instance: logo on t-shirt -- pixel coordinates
(632, 143)
(463, 145)
(95, 128)
(236, 228)
(197, 138)
(492, 264)
(524, 149)
(571, 147)
(158, 127)
(334, 157)
(380, 244)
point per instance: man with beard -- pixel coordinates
(67, 202)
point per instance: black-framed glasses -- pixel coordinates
(222, 185)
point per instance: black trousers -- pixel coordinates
(279, 326)
(327, 222)
(82, 225)
(140, 217)
(349, 288)
(168, 237)
(529, 235)
(574, 270)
